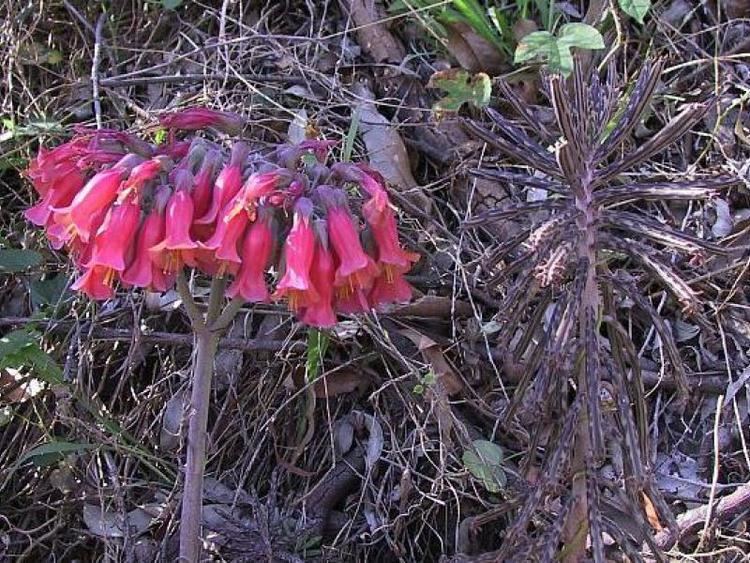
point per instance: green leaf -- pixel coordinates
(636, 9)
(50, 291)
(484, 461)
(51, 452)
(535, 44)
(160, 136)
(462, 88)
(317, 344)
(171, 4)
(19, 349)
(580, 35)
(54, 57)
(13, 260)
(557, 49)
(351, 134)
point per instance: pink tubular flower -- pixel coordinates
(115, 236)
(393, 261)
(97, 194)
(142, 174)
(320, 313)
(382, 223)
(236, 215)
(299, 247)
(95, 282)
(256, 251)
(356, 269)
(227, 184)
(59, 194)
(143, 270)
(204, 182)
(49, 167)
(192, 119)
(352, 302)
(177, 247)
(389, 289)
(229, 231)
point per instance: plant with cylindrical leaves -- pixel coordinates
(563, 283)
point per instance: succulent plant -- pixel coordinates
(562, 282)
(138, 214)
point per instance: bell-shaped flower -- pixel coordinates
(177, 247)
(226, 237)
(391, 256)
(236, 216)
(204, 182)
(96, 282)
(98, 193)
(351, 301)
(50, 166)
(356, 270)
(143, 271)
(192, 119)
(143, 174)
(320, 313)
(115, 236)
(390, 288)
(59, 194)
(227, 184)
(299, 248)
(256, 251)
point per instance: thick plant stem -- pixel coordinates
(577, 525)
(206, 343)
(192, 500)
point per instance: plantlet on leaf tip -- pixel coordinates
(561, 298)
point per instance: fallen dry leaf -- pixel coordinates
(433, 355)
(435, 306)
(339, 382)
(385, 148)
(373, 35)
(651, 515)
(472, 51)
(174, 408)
(10, 390)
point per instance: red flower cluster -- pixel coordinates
(138, 213)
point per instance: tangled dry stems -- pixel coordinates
(418, 500)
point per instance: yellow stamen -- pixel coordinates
(109, 277)
(223, 266)
(388, 273)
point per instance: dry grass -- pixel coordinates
(358, 466)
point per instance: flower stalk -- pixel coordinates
(207, 335)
